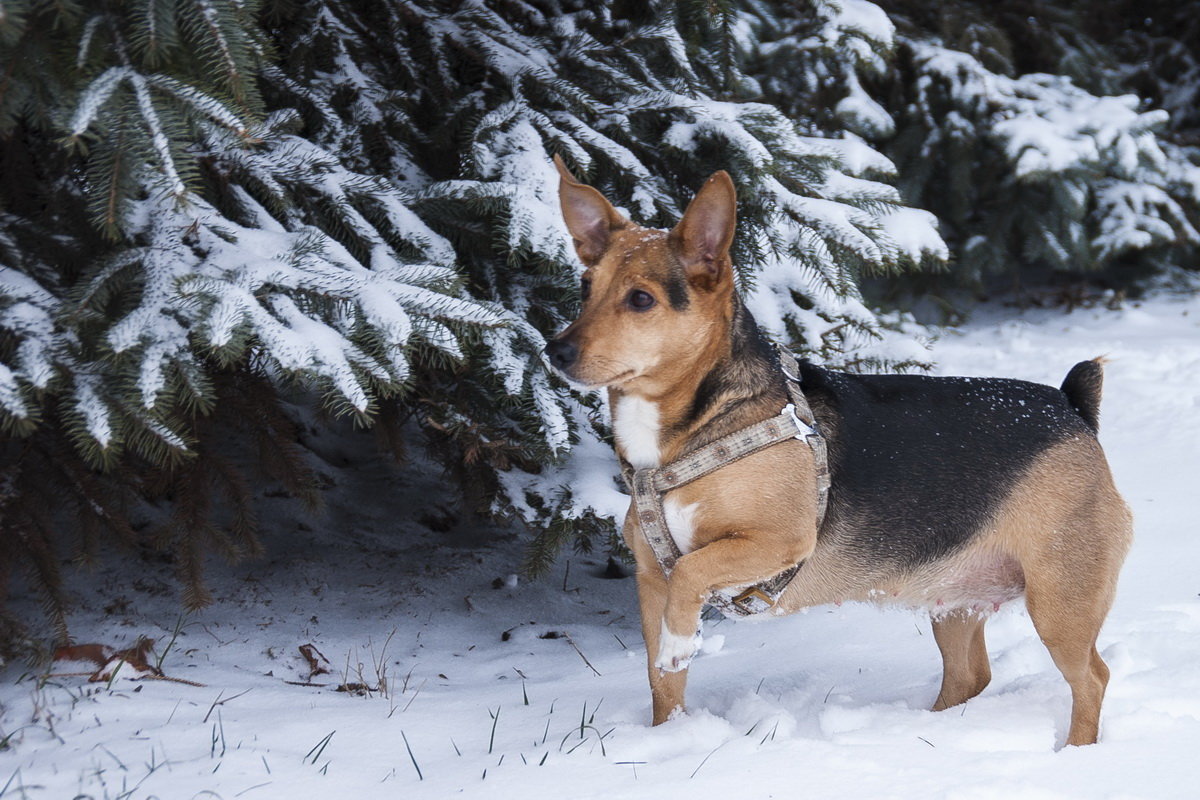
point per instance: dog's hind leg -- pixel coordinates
(965, 668)
(1070, 530)
(1068, 626)
(1068, 607)
(1070, 582)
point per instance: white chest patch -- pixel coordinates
(635, 425)
(681, 522)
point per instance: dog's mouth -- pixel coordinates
(590, 383)
(624, 377)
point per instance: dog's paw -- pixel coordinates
(675, 652)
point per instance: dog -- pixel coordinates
(948, 494)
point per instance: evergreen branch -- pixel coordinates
(157, 33)
(202, 103)
(158, 137)
(85, 40)
(115, 170)
(92, 99)
(211, 18)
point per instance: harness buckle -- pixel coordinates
(804, 430)
(744, 599)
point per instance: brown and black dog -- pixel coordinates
(950, 494)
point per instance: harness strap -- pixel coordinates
(647, 487)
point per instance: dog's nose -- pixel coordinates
(562, 354)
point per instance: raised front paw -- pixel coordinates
(675, 652)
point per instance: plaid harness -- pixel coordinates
(648, 486)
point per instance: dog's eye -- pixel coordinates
(639, 300)
(585, 289)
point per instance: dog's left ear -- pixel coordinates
(589, 217)
(702, 238)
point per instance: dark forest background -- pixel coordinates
(222, 221)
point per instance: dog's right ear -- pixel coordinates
(705, 234)
(590, 218)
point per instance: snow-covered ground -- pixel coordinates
(538, 690)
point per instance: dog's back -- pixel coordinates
(920, 465)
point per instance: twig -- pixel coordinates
(210, 633)
(220, 702)
(414, 697)
(67, 675)
(184, 681)
(571, 641)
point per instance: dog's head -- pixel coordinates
(653, 300)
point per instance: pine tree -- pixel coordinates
(222, 249)
(1011, 126)
(358, 198)
(645, 107)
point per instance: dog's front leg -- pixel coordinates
(738, 559)
(666, 688)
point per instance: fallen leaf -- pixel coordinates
(318, 664)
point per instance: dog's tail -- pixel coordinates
(1083, 386)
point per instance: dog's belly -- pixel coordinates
(977, 579)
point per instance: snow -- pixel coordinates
(863, 113)
(727, 122)
(857, 157)
(28, 318)
(166, 160)
(10, 394)
(238, 280)
(858, 26)
(914, 232)
(92, 99)
(554, 420)
(1101, 156)
(204, 103)
(533, 687)
(93, 409)
(864, 18)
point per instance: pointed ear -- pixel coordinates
(702, 238)
(590, 218)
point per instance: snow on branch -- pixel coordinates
(1100, 158)
(92, 99)
(203, 103)
(27, 313)
(162, 145)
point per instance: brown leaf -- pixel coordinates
(318, 664)
(138, 655)
(135, 659)
(97, 654)
(360, 689)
